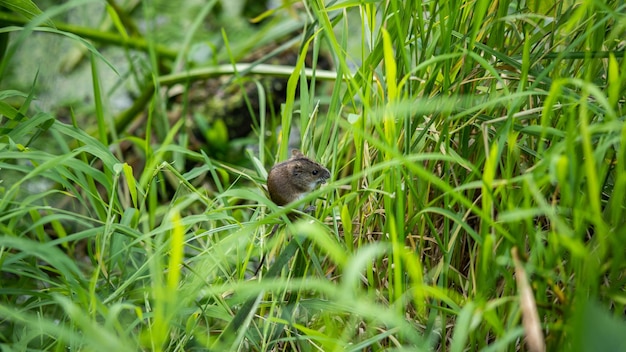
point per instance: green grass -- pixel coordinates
(478, 191)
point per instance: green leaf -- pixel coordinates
(598, 330)
(131, 182)
(10, 112)
(25, 8)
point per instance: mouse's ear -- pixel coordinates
(295, 153)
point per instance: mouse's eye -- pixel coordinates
(315, 172)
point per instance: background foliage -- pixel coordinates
(477, 199)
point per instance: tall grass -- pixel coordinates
(477, 199)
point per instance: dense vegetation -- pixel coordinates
(477, 198)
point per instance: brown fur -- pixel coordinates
(293, 179)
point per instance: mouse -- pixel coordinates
(294, 178)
